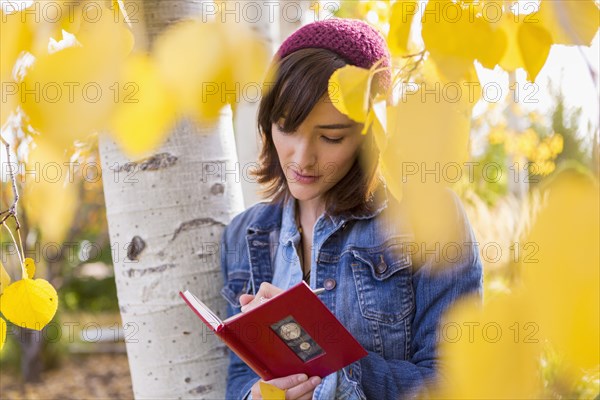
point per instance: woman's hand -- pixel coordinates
(296, 386)
(266, 291)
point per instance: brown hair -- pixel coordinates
(300, 80)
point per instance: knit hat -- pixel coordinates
(357, 42)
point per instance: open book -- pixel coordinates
(291, 333)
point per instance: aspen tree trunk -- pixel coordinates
(165, 216)
(266, 23)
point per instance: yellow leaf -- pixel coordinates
(16, 37)
(270, 392)
(563, 256)
(2, 333)
(401, 18)
(219, 69)
(379, 126)
(569, 22)
(50, 197)
(429, 144)
(29, 303)
(489, 352)
(189, 70)
(71, 93)
(534, 44)
(528, 45)
(4, 278)
(391, 179)
(30, 267)
(492, 41)
(347, 91)
(145, 111)
(455, 36)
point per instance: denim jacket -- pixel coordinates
(378, 285)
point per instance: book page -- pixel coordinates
(203, 310)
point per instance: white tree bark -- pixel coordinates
(266, 23)
(165, 215)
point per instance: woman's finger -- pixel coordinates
(246, 298)
(289, 381)
(303, 390)
(265, 292)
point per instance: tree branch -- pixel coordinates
(12, 210)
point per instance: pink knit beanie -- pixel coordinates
(354, 40)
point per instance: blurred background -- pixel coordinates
(530, 134)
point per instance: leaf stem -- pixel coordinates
(23, 270)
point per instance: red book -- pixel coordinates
(291, 333)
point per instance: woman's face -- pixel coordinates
(320, 152)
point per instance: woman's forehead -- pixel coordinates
(325, 110)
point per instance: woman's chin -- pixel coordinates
(303, 193)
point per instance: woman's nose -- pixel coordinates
(305, 154)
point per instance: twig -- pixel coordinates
(420, 53)
(416, 64)
(12, 210)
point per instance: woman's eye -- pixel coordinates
(330, 140)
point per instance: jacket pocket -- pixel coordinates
(383, 279)
(238, 283)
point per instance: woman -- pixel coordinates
(331, 222)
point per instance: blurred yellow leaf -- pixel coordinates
(109, 35)
(49, 196)
(145, 109)
(569, 22)
(489, 352)
(16, 37)
(221, 68)
(561, 269)
(348, 92)
(2, 333)
(379, 126)
(455, 36)
(30, 267)
(4, 278)
(270, 392)
(420, 143)
(534, 43)
(402, 13)
(189, 70)
(528, 44)
(71, 93)
(29, 303)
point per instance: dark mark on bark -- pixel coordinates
(201, 389)
(217, 189)
(135, 247)
(195, 223)
(153, 163)
(141, 272)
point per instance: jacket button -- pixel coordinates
(329, 283)
(381, 267)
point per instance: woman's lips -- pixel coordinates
(304, 178)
